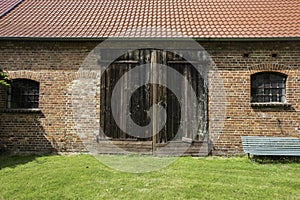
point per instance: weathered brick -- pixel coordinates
(56, 66)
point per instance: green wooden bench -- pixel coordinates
(271, 146)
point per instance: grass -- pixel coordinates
(84, 177)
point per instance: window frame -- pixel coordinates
(271, 89)
(26, 98)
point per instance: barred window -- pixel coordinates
(24, 93)
(268, 87)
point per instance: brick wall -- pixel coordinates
(235, 70)
(57, 125)
(54, 65)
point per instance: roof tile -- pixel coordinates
(151, 18)
(7, 5)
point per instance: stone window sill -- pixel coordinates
(270, 104)
(20, 110)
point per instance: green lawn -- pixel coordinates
(84, 177)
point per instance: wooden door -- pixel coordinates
(144, 97)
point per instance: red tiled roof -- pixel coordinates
(153, 18)
(7, 5)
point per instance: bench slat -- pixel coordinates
(265, 145)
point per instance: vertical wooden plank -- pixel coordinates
(135, 100)
(123, 91)
(163, 97)
(107, 102)
(154, 96)
(202, 110)
(169, 111)
(147, 100)
(102, 103)
(190, 109)
(195, 76)
(169, 103)
(129, 66)
(112, 85)
(159, 79)
(172, 112)
(141, 118)
(115, 127)
(185, 97)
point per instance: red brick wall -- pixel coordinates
(55, 65)
(235, 71)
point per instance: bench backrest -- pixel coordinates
(264, 143)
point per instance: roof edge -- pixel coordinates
(250, 39)
(11, 8)
(200, 39)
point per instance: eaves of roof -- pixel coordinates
(99, 39)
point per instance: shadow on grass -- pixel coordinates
(9, 160)
(276, 159)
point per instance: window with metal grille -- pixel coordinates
(268, 87)
(23, 93)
